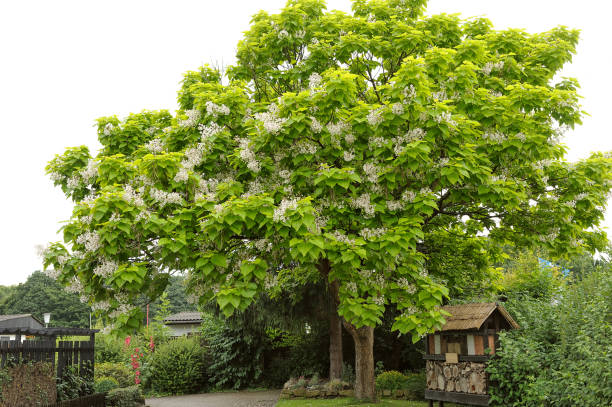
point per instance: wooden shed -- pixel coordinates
(457, 354)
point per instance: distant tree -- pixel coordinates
(40, 294)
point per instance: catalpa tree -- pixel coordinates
(380, 151)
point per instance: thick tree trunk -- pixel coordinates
(335, 337)
(363, 338)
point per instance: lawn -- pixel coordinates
(342, 402)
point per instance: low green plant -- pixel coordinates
(178, 367)
(391, 380)
(348, 373)
(118, 371)
(125, 397)
(105, 384)
(415, 384)
(109, 349)
(74, 384)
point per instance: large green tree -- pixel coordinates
(40, 294)
(364, 149)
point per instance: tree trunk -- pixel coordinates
(363, 338)
(335, 337)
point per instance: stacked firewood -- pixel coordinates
(463, 377)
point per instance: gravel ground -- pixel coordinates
(266, 398)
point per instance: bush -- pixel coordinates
(73, 385)
(125, 397)
(415, 384)
(560, 356)
(118, 371)
(178, 366)
(391, 380)
(109, 349)
(105, 384)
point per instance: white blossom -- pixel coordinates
(314, 80)
(405, 284)
(371, 172)
(306, 147)
(91, 241)
(300, 34)
(351, 286)
(408, 196)
(74, 182)
(375, 117)
(54, 274)
(106, 268)
(379, 300)
(341, 237)
(132, 196)
(369, 234)
(164, 198)
(349, 138)
(285, 175)
(440, 95)
(395, 205)
(397, 109)
(283, 34)
(315, 125)
(494, 136)
(215, 110)
(108, 129)
(492, 66)
(271, 122)
(363, 203)
(349, 156)
(75, 286)
(248, 155)
(91, 171)
(209, 130)
(337, 129)
(445, 117)
(193, 115)
(285, 204)
(409, 93)
(155, 146)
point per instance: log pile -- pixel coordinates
(463, 377)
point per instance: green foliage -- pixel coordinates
(118, 371)
(73, 384)
(125, 397)
(178, 366)
(416, 384)
(109, 348)
(105, 384)
(40, 294)
(391, 380)
(560, 357)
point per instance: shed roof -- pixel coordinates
(185, 317)
(20, 320)
(473, 316)
(48, 331)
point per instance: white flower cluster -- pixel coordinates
(215, 110)
(445, 117)
(351, 286)
(370, 234)
(494, 136)
(376, 142)
(90, 172)
(305, 147)
(300, 34)
(193, 115)
(315, 125)
(54, 274)
(271, 122)
(314, 80)
(409, 93)
(283, 34)
(375, 117)
(521, 136)
(285, 204)
(581, 196)
(492, 66)
(408, 196)
(349, 138)
(108, 129)
(132, 196)
(165, 198)
(248, 155)
(406, 285)
(397, 109)
(337, 129)
(91, 241)
(75, 286)
(105, 269)
(342, 238)
(371, 172)
(193, 157)
(348, 155)
(74, 182)
(103, 306)
(363, 203)
(395, 205)
(399, 142)
(552, 235)
(209, 130)
(155, 146)
(285, 175)
(380, 301)
(440, 95)
(271, 281)
(540, 165)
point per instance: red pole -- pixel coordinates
(147, 318)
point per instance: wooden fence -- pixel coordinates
(61, 355)
(95, 400)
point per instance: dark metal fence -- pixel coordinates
(61, 355)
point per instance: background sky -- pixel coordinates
(65, 63)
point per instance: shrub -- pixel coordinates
(73, 385)
(105, 384)
(415, 384)
(561, 355)
(391, 380)
(118, 371)
(178, 366)
(125, 397)
(109, 349)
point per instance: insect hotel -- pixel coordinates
(456, 356)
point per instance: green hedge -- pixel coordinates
(178, 366)
(125, 397)
(121, 372)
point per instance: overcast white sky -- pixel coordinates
(65, 63)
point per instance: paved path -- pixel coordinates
(266, 398)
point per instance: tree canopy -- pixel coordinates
(385, 152)
(40, 294)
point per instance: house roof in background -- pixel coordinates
(9, 317)
(185, 317)
(473, 316)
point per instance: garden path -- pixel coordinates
(267, 398)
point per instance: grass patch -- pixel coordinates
(345, 402)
